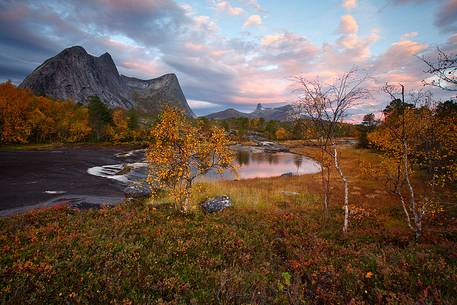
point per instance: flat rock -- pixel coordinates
(137, 191)
(216, 204)
(268, 146)
(289, 174)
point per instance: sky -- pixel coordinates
(236, 53)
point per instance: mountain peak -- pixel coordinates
(75, 74)
(105, 55)
(75, 50)
(259, 107)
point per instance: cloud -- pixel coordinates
(446, 18)
(348, 25)
(225, 6)
(147, 38)
(253, 4)
(409, 35)
(253, 20)
(349, 4)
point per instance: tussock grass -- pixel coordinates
(271, 248)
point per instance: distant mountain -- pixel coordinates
(227, 114)
(280, 113)
(75, 74)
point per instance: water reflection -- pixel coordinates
(261, 165)
(242, 158)
(249, 165)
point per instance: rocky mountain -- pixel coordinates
(227, 114)
(75, 74)
(282, 113)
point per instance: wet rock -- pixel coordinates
(83, 205)
(289, 174)
(137, 190)
(216, 204)
(268, 146)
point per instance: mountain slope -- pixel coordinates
(227, 114)
(282, 113)
(75, 74)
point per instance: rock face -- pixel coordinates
(280, 113)
(216, 204)
(75, 74)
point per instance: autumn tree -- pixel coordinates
(120, 131)
(419, 144)
(327, 104)
(14, 106)
(26, 118)
(182, 150)
(281, 133)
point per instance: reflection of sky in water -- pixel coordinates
(261, 165)
(250, 165)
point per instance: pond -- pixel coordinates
(250, 163)
(86, 175)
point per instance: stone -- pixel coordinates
(287, 175)
(216, 204)
(74, 74)
(137, 190)
(272, 147)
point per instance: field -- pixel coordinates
(273, 247)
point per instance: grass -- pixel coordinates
(271, 248)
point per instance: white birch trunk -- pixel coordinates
(346, 189)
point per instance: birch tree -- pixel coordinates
(182, 150)
(326, 105)
(419, 144)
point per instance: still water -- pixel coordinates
(249, 164)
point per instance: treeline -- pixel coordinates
(427, 132)
(302, 129)
(27, 118)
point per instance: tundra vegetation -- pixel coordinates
(397, 244)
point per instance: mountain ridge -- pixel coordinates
(75, 74)
(282, 113)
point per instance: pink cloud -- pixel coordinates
(349, 4)
(253, 20)
(348, 25)
(225, 6)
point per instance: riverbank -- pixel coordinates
(87, 175)
(271, 247)
(31, 177)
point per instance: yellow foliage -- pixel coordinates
(25, 118)
(181, 151)
(281, 134)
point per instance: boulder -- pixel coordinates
(137, 190)
(216, 204)
(289, 174)
(272, 147)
